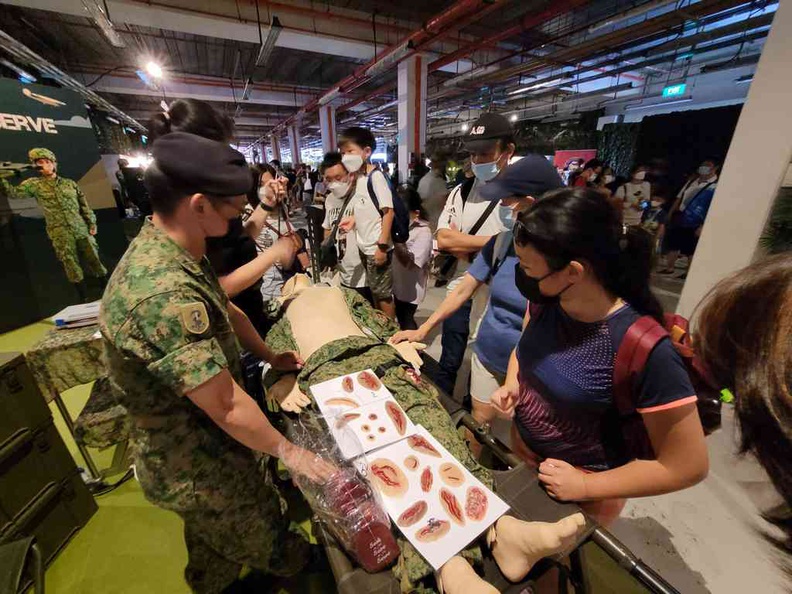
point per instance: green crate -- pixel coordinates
(29, 460)
(57, 512)
(21, 402)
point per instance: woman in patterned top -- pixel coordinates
(587, 278)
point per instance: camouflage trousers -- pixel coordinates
(251, 531)
(70, 248)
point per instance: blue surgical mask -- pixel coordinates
(506, 216)
(485, 171)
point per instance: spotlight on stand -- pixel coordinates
(154, 69)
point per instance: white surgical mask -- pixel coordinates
(640, 176)
(338, 188)
(704, 170)
(262, 195)
(608, 179)
(352, 162)
(573, 167)
(593, 177)
(485, 171)
(506, 215)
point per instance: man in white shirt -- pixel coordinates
(680, 238)
(632, 195)
(372, 221)
(491, 145)
(338, 184)
(433, 192)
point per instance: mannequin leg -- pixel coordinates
(457, 576)
(517, 545)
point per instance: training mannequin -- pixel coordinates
(337, 332)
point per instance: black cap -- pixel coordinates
(202, 165)
(533, 175)
(486, 130)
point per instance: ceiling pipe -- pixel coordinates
(436, 24)
(529, 21)
(604, 42)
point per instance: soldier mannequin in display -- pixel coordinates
(71, 224)
(336, 331)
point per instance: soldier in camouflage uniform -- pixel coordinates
(173, 359)
(71, 224)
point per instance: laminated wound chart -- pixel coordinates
(361, 413)
(435, 501)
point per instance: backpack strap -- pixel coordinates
(500, 249)
(372, 194)
(640, 339)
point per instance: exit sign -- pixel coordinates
(674, 90)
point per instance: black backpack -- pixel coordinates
(400, 230)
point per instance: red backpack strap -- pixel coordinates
(641, 337)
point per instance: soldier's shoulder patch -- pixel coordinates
(194, 317)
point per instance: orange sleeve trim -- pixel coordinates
(674, 404)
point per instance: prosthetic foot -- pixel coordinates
(457, 576)
(518, 545)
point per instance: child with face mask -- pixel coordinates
(373, 222)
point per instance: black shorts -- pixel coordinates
(680, 239)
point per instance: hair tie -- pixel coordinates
(623, 238)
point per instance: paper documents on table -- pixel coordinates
(432, 498)
(76, 316)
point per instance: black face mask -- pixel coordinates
(528, 287)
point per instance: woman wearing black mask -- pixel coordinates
(587, 279)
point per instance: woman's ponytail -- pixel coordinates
(630, 279)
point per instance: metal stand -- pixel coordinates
(95, 478)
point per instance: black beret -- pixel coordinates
(202, 165)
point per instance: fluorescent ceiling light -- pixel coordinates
(513, 117)
(465, 127)
(97, 13)
(22, 74)
(661, 104)
(541, 85)
(269, 43)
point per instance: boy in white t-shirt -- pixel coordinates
(338, 184)
(372, 225)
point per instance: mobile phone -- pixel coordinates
(644, 205)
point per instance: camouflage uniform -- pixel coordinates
(166, 331)
(69, 220)
(418, 398)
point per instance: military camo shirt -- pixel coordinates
(63, 203)
(166, 331)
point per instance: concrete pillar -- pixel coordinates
(755, 165)
(275, 147)
(294, 143)
(327, 124)
(412, 112)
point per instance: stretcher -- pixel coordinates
(518, 485)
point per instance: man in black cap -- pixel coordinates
(466, 224)
(170, 339)
(513, 190)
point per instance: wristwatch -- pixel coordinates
(266, 207)
(383, 247)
